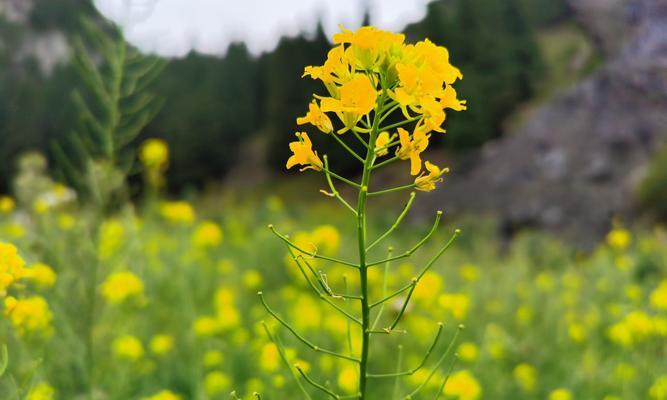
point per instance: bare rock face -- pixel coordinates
(575, 162)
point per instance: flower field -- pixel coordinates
(172, 310)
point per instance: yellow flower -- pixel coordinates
(154, 153)
(7, 204)
(42, 275)
(112, 235)
(164, 395)
(462, 385)
(659, 296)
(28, 315)
(12, 267)
(456, 303)
(619, 238)
(469, 273)
(368, 45)
(525, 376)
(121, 286)
(178, 211)
(207, 235)
(216, 382)
(269, 359)
(560, 394)
(206, 326)
(128, 347)
(426, 183)
(411, 148)
(252, 279)
(213, 358)
(468, 352)
(335, 69)
(658, 390)
(348, 379)
(304, 154)
(357, 98)
(161, 344)
(316, 117)
(381, 143)
(326, 238)
(227, 314)
(41, 391)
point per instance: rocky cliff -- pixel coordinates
(576, 160)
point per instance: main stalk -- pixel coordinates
(361, 235)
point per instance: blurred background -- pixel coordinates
(143, 257)
(567, 102)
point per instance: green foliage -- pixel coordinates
(652, 191)
(113, 109)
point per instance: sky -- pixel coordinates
(175, 27)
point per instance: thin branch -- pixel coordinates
(435, 258)
(340, 178)
(319, 293)
(334, 192)
(384, 290)
(301, 338)
(416, 247)
(403, 308)
(310, 253)
(396, 125)
(325, 285)
(389, 112)
(396, 293)
(281, 351)
(418, 367)
(315, 384)
(349, 150)
(449, 373)
(385, 162)
(436, 367)
(396, 189)
(395, 225)
(360, 139)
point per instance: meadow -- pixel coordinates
(171, 310)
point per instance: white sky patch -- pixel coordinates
(175, 27)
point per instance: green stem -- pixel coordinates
(396, 125)
(361, 236)
(346, 147)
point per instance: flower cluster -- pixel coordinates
(12, 267)
(374, 72)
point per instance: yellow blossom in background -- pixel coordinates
(469, 273)
(154, 153)
(206, 326)
(457, 304)
(304, 154)
(41, 391)
(178, 211)
(624, 372)
(619, 238)
(216, 383)
(659, 296)
(269, 359)
(112, 237)
(207, 235)
(576, 332)
(213, 358)
(12, 266)
(29, 315)
(348, 379)
(164, 395)
(317, 118)
(326, 238)
(468, 352)
(525, 375)
(225, 305)
(42, 275)
(252, 279)
(462, 385)
(658, 390)
(524, 314)
(121, 286)
(427, 182)
(7, 204)
(161, 344)
(428, 289)
(560, 394)
(66, 221)
(128, 347)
